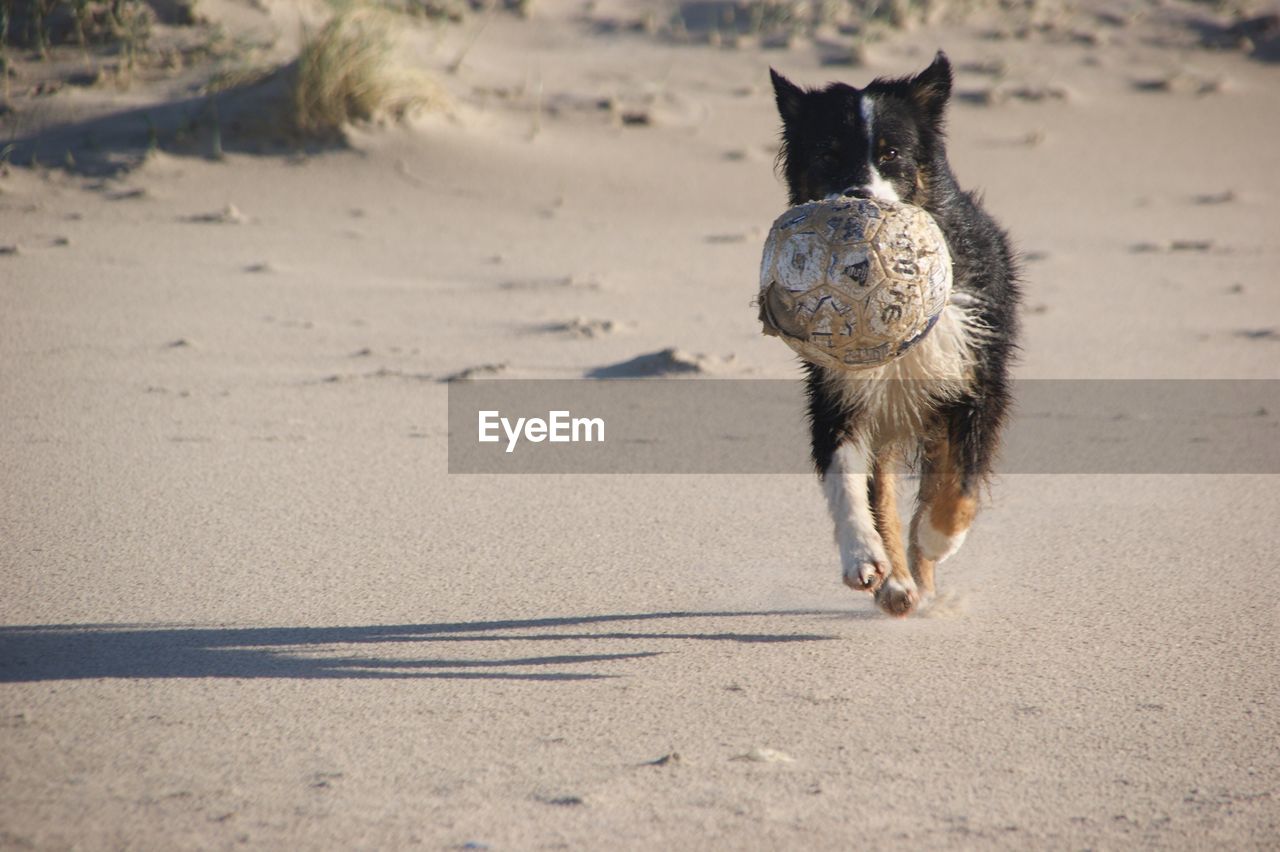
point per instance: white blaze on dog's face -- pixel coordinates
(876, 185)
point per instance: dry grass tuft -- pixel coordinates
(345, 74)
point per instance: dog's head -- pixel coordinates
(883, 141)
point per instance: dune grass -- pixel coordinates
(345, 73)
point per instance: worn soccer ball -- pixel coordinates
(853, 283)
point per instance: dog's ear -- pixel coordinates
(789, 97)
(931, 88)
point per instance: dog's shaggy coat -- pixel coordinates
(944, 402)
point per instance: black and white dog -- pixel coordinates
(943, 402)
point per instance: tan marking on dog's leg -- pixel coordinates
(944, 514)
(952, 512)
(884, 508)
(898, 595)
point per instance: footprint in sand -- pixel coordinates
(380, 373)
(762, 754)
(583, 327)
(304, 324)
(663, 109)
(722, 239)
(1259, 333)
(672, 759)
(1026, 93)
(229, 215)
(665, 362)
(985, 67)
(127, 194)
(1172, 246)
(571, 282)
(479, 371)
(1181, 83)
(1225, 197)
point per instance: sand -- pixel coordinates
(245, 605)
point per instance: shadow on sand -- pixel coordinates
(84, 651)
(245, 119)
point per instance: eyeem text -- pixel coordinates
(560, 427)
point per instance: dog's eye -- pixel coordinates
(888, 155)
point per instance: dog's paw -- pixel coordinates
(897, 597)
(866, 575)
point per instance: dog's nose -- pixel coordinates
(857, 192)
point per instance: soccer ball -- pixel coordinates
(853, 283)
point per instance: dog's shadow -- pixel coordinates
(82, 651)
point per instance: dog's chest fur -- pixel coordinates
(898, 398)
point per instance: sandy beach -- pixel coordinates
(244, 604)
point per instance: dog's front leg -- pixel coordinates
(862, 554)
(898, 595)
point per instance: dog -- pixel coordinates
(943, 403)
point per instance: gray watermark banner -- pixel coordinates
(760, 426)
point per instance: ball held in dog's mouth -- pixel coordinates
(853, 283)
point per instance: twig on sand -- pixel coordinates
(536, 129)
(402, 169)
(456, 65)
